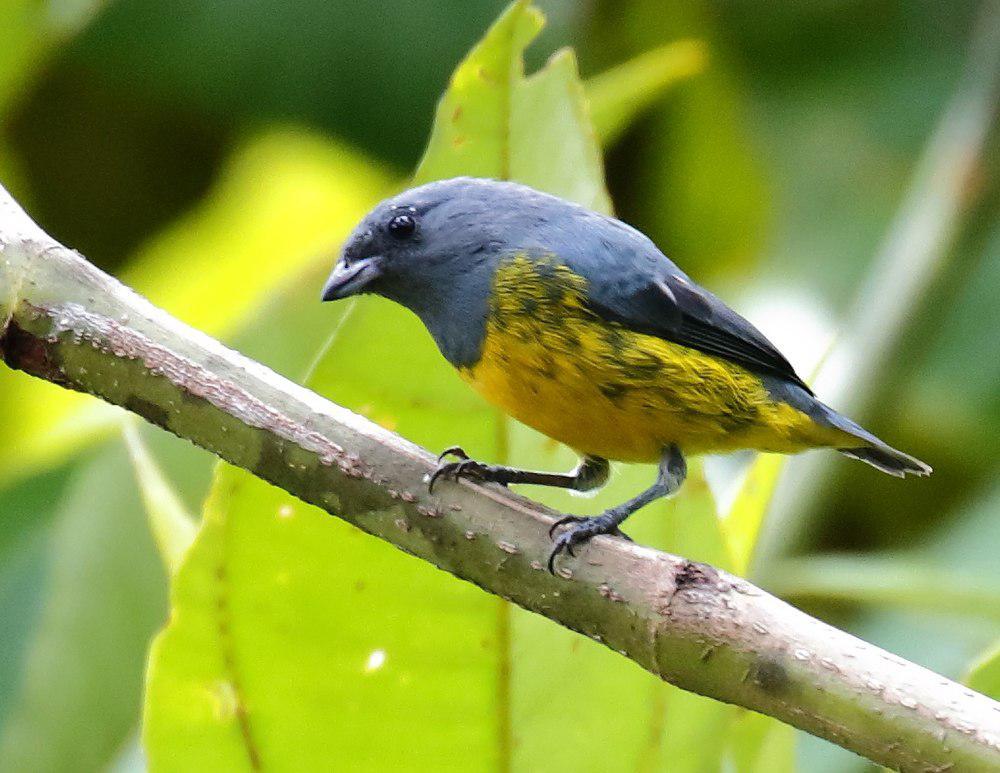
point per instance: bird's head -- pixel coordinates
(415, 246)
(433, 249)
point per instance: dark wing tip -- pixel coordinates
(752, 351)
(890, 461)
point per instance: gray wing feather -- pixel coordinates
(631, 282)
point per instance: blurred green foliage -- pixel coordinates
(213, 154)
(171, 525)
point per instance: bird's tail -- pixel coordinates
(888, 459)
(875, 452)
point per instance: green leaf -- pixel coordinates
(760, 744)
(102, 597)
(495, 122)
(984, 673)
(169, 521)
(297, 641)
(620, 94)
(473, 118)
(45, 424)
(742, 525)
(28, 511)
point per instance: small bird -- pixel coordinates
(575, 324)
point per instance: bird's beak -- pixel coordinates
(351, 278)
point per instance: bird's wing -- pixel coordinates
(651, 295)
(631, 282)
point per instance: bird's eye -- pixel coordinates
(402, 226)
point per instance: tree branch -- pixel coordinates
(701, 629)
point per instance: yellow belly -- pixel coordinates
(607, 391)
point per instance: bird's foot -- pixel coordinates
(463, 467)
(582, 530)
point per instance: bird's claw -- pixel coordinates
(465, 467)
(457, 451)
(582, 531)
(563, 521)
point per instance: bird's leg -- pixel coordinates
(670, 476)
(591, 473)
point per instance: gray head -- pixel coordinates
(434, 248)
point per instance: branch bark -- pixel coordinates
(699, 628)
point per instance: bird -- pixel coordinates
(576, 324)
